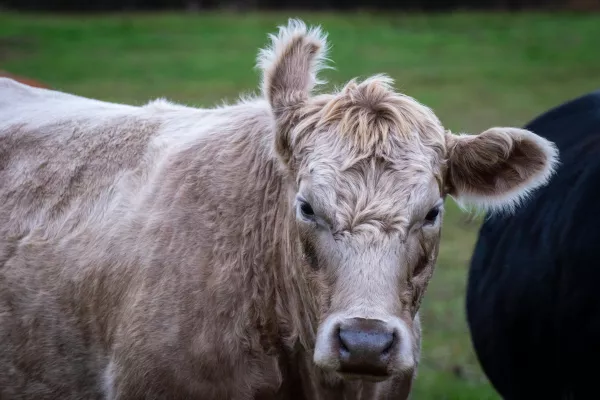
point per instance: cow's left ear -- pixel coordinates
(499, 167)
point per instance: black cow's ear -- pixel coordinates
(499, 167)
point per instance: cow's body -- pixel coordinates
(103, 266)
(533, 301)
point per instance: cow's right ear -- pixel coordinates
(290, 66)
(499, 167)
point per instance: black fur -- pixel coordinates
(533, 295)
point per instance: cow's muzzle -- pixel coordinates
(359, 348)
(365, 347)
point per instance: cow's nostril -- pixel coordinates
(343, 345)
(390, 343)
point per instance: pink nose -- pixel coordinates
(365, 346)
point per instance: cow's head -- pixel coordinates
(371, 168)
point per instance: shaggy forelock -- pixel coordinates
(370, 119)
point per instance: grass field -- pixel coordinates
(474, 70)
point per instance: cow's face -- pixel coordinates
(371, 232)
(370, 183)
(370, 169)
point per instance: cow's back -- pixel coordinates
(59, 153)
(65, 163)
(533, 300)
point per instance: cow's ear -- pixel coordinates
(499, 167)
(290, 68)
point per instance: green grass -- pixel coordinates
(474, 70)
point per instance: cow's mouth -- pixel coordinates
(364, 371)
(364, 377)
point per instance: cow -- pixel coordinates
(274, 248)
(533, 306)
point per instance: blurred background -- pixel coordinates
(477, 63)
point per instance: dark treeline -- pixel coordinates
(196, 5)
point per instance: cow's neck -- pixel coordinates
(296, 301)
(282, 303)
(296, 298)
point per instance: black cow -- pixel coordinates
(533, 295)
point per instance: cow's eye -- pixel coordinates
(432, 215)
(306, 210)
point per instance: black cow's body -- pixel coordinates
(533, 297)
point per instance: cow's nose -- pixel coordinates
(365, 346)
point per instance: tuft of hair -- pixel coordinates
(291, 63)
(373, 118)
(371, 110)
